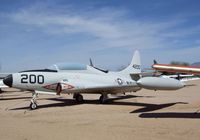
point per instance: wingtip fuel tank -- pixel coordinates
(158, 83)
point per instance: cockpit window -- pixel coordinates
(67, 66)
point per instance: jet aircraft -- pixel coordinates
(176, 68)
(86, 79)
(2, 85)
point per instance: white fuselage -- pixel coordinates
(73, 82)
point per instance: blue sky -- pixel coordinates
(37, 33)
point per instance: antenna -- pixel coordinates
(91, 63)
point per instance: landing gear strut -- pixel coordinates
(103, 98)
(33, 104)
(78, 97)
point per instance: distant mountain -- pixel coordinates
(196, 64)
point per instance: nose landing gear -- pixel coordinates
(33, 104)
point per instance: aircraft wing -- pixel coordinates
(104, 89)
(94, 90)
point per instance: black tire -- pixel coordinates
(101, 100)
(33, 106)
(79, 98)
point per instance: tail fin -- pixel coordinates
(155, 62)
(91, 63)
(135, 66)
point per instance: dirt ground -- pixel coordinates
(144, 115)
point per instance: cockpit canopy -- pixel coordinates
(67, 66)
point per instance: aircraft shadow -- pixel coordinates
(110, 101)
(62, 103)
(113, 101)
(146, 107)
(16, 98)
(8, 95)
(71, 102)
(153, 107)
(185, 115)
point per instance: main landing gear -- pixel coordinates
(78, 97)
(33, 104)
(103, 98)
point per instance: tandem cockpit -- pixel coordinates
(75, 67)
(69, 67)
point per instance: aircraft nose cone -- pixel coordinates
(8, 80)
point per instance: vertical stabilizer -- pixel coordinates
(135, 66)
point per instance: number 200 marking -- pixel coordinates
(32, 79)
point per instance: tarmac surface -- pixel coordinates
(144, 115)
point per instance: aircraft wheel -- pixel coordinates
(79, 98)
(102, 99)
(33, 106)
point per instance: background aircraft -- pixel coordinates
(80, 79)
(182, 77)
(176, 68)
(2, 85)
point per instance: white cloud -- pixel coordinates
(108, 28)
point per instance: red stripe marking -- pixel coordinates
(198, 67)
